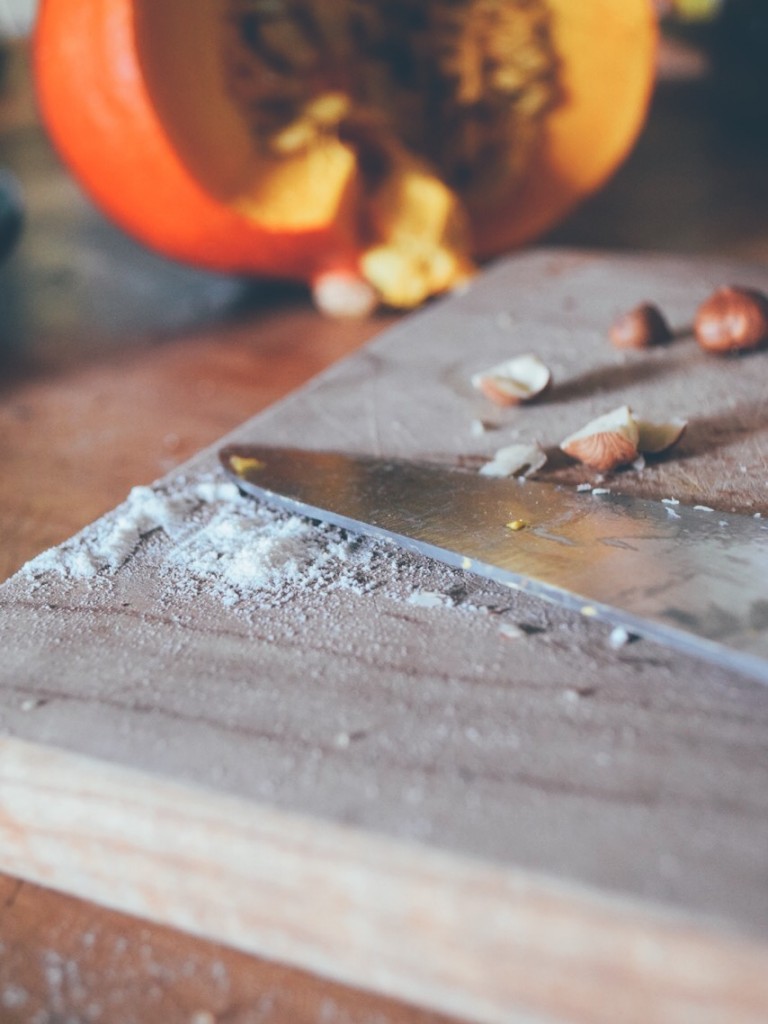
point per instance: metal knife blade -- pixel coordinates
(691, 578)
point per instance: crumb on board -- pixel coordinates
(511, 631)
(521, 459)
(619, 637)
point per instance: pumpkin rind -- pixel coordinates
(95, 103)
(102, 118)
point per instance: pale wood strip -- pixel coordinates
(493, 944)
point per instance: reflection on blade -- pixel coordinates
(693, 579)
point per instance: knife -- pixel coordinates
(688, 577)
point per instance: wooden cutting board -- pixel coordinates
(395, 774)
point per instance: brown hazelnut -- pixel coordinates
(732, 319)
(640, 327)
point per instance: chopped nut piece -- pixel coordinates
(619, 438)
(640, 327)
(516, 380)
(479, 427)
(655, 438)
(606, 443)
(732, 319)
(242, 465)
(513, 459)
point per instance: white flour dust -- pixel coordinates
(233, 548)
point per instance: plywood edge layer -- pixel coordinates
(460, 936)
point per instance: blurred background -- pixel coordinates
(75, 285)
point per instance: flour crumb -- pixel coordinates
(619, 638)
(429, 599)
(14, 997)
(511, 631)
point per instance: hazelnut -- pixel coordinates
(619, 437)
(606, 443)
(513, 381)
(640, 327)
(732, 319)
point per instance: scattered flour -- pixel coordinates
(233, 547)
(429, 599)
(198, 536)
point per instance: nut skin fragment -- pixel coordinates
(732, 319)
(641, 327)
(496, 393)
(606, 443)
(604, 451)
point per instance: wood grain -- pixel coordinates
(635, 778)
(461, 936)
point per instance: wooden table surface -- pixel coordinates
(115, 366)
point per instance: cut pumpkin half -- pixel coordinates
(399, 141)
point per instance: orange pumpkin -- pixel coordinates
(393, 141)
